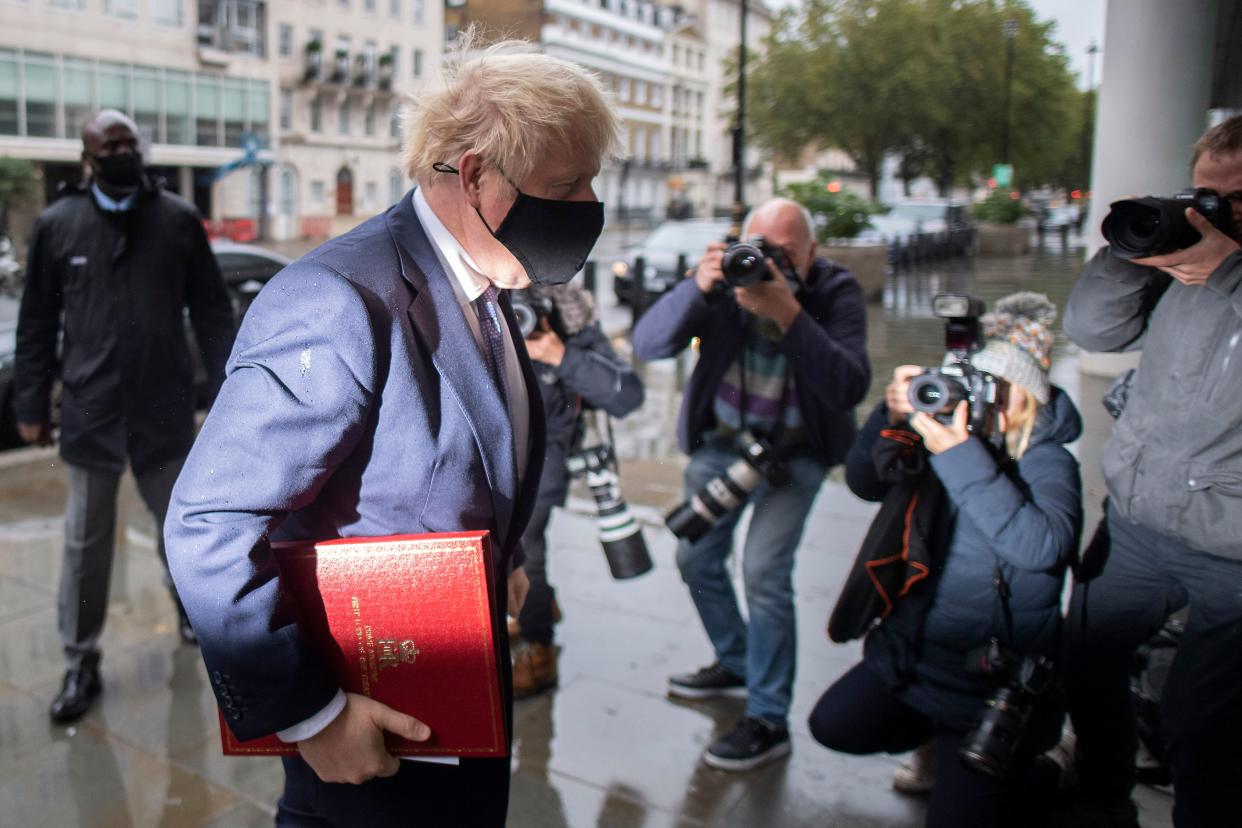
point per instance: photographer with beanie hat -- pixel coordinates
(996, 527)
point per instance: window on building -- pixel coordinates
(418, 63)
(420, 11)
(167, 12)
(206, 111)
(8, 93)
(342, 119)
(369, 6)
(146, 105)
(344, 4)
(394, 53)
(40, 96)
(394, 9)
(260, 111)
(177, 123)
(316, 193)
(640, 92)
(285, 40)
(701, 61)
(657, 95)
(74, 5)
(394, 123)
(78, 94)
(624, 92)
(396, 186)
(286, 109)
(316, 114)
(368, 121)
(234, 108)
(372, 194)
(127, 9)
(288, 197)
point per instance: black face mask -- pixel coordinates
(123, 171)
(550, 238)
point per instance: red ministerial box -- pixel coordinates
(407, 620)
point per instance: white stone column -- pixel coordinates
(1153, 105)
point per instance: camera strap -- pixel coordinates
(1001, 611)
(778, 431)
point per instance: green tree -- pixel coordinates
(16, 185)
(921, 79)
(839, 215)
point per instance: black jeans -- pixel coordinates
(858, 715)
(1145, 578)
(536, 616)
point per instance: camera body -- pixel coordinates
(757, 462)
(1140, 227)
(531, 311)
(619, 533)
(937, 391)
(990, 744)
(745, 263)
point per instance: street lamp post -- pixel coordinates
(739, 130)
(1010, 29)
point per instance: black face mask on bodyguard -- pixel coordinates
(550, 238)
(123, 170)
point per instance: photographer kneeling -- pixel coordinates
(987, 524)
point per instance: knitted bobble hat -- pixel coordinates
(1018, 345)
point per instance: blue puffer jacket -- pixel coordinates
(1026, 514)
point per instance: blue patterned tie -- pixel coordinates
(490, 322)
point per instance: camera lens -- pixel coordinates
(744, 265)
(934, 394)
(1139, 227)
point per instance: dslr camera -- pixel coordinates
(1139, 227)
(990, 744)
(745, 263)
(937, 391)
(531, 311)
(619, 532)
(757, 461)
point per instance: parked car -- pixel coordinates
(246, 268)
(920, 228)
(661, 252)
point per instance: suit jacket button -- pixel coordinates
(236, 715)
(217, 677)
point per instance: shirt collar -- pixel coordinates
(468, 275)
(111, 205)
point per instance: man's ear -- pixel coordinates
(469, 177)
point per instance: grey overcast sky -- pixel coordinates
(1079, 22)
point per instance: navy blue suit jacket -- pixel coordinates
(355, 405)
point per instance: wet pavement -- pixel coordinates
(607, 748)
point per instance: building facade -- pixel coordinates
(278, 119)
(666, 74)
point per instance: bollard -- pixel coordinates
(1065, 235)
(638, 295)
(680, 272)
(588, 278)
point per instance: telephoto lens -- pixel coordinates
(1136, 228)
(757, 462)
(619, 533)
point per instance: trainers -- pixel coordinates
(752, 743)
(709, 682)
(534, 670)
(917, 775)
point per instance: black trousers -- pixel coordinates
(536, 616)
(858, 715)
(1145, 578)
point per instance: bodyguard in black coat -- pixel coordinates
(114, 266)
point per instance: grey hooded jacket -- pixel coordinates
(1174, 462)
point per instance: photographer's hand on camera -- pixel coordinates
(939, 437)
(546, 347)
(897, 395)
(772, 299)
(709, 273)
(1193, 265)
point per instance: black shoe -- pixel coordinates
(82, 685)
(710, 682)
(752, 743)
(188, 636)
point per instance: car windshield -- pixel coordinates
(684, 238)
(921, 212)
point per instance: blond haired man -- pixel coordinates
(380, 386)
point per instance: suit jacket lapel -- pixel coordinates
(538, 428)
(438, 318)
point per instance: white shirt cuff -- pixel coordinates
(309, 727)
